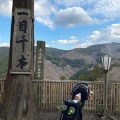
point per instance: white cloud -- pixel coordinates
(102, 10)
(83, 45)
(70, 13)
(46, 45)
(109, 34)
(72, 17)
(6, 7)
(43, 11)
(106, 8)
(106, 35)
(67, 2)
(72, 37)
(72, 40)
(60, 42)
(4, 45)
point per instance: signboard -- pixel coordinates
(21, 44)
(40, 56)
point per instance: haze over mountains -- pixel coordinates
(68, 62)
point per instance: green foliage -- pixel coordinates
(99, 54)
(96, 73)
(94, 48)
(62, 77)
(81, 51)
(84, 74)
(62, 62)
(91, 49)
(55, 51)
(75, 63)
(3, 61)
(55, 59)
(81, 73)
(55, 56)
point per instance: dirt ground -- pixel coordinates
(48, 115)
(55, 115)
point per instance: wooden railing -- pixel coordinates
(51, 94)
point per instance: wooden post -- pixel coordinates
(39, 72)
(19, 102)
(40, 57)
(21, 43)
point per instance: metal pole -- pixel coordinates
(105, 93)
(105, 100)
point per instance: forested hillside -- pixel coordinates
(76, 64)
(3, 61)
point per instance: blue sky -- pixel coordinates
(68, 24)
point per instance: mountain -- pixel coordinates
(71, 63)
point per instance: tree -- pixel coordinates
(83, 77)
(91, 75)
(96, 73)
(19, 101)
(62, 77)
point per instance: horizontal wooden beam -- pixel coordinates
(21, 73)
